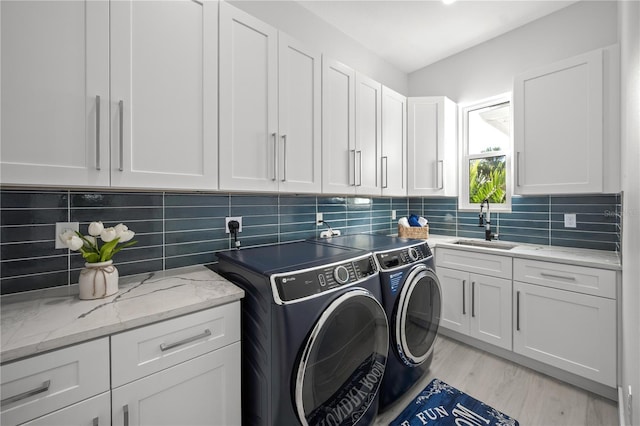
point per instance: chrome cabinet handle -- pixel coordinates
(126, 414)
(98, 132)
(385, 165)
(275, 155)
(360, 166)
(441, 174)
(167, 346)
(464, 301)
(563, 277)
(284, 159)
(121, 114)
(517, 311)
(354, 167)
(24, 395)
(473, 299)
(518, 168)
(96, 421)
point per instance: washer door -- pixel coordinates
(343, 361)
(417, 315)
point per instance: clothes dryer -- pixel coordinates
(315, 333)
(412, 298)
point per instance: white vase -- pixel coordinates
(98, 280)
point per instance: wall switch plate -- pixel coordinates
(230, 218)
(318, 219)
(570, 220)
(393, 215)
(60, 228)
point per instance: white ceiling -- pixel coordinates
(411, 34)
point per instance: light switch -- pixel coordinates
(393, 215)
(569, 220)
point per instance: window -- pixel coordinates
(486, 154)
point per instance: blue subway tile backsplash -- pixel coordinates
(182, 229)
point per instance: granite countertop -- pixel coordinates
(43, 320)
(573, 256)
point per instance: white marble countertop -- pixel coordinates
(573, 256)
(38, 321)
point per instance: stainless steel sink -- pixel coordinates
(500, 245)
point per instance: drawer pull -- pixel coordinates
(562, 277)
(473, 299)
(464, 302)
(517, 311)
(45, 387)
(166, 347)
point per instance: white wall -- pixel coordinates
(301, 24)
(487, 70)
(629, 22)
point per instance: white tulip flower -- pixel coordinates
(120, 229)
(74, 243)
(96, 228)
(126, 236)
(108, 234)
(91, 241)
(66, 235)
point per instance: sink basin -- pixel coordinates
(500, 245)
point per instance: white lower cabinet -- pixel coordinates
(202, 391)
(571, 330)
(42, 384)
(476, 305)
(94, 411)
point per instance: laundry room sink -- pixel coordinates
(500, 245)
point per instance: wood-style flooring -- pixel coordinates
(526, 395)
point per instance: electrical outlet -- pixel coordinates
(60, 228)
(570, 220)
(393, 215)
(328, 234)
(318, 219)
(230, 218)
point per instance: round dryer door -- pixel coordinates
(343, 361)
(417, 315)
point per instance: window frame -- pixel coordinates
(464, 158)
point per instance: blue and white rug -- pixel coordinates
(441, 404)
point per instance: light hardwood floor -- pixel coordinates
(528, 396)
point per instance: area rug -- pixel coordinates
(441, 404)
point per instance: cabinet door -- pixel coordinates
(491, 310)
(94, 411)
(455, 293)
(300, 150)
(338, 128)
(164, 94)
(432, 147)
(558, 123)
(202, 391)
(55, 93)
(248, 102)
(368, 135)
(393, 165)
(572, 331)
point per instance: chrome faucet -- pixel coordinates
(486, 221)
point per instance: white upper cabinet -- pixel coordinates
(432, 162)
(270, 108)
(55, 93)
(338, 128)
(368, 135)
(300, 112)
(164, 94)
(393, 165)
(564, 114)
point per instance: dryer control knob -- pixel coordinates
(341, 274)
(413, 254)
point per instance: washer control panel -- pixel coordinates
(394, 258)
(304, 283)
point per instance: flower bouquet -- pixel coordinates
(99, 278)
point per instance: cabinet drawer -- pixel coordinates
(146, 350)
(479, 263)
(95, 411)
(39, 385)
(597, 282)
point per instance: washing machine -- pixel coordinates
(412, 299)
(315, 333)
